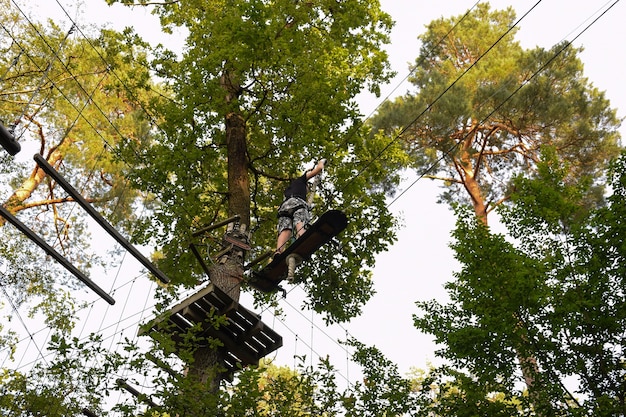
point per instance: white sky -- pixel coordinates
(421, 262)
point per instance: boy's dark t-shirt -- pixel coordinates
(297, 188)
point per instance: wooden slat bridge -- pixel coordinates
(245, 337)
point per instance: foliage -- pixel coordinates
(291, 71)
(265, 390)
(383, 391)
(272, 390)
(63, 385)
(483, 107)
(484, 111)
(279, 391)
(284, 76)
(554, 293)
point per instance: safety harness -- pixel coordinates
(290, 211)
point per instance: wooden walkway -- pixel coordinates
(245, 337)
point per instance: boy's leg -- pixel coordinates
(283, 238)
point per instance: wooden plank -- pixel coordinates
(247, 356)
(252, 331)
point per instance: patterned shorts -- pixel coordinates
(293, 210)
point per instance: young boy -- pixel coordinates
(294, 210)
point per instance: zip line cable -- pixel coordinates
(80, 86)
(49, 66)
(90, 306)
(21, 320)
(406, 77)
(114, 73)
(44, 71)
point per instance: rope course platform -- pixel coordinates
(245, 338)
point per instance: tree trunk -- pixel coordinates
(472, 187)
(468, 169)
(227, 274)
(238, 178)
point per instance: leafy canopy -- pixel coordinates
(553, 291)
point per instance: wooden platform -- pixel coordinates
(245, 337)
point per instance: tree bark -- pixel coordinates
(468, 169)
(238, 178)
